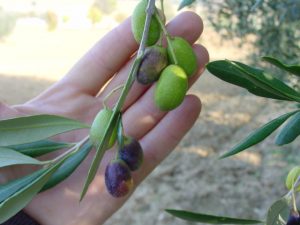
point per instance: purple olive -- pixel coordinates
(154, 61)
(118, 178)
(294, 219)
(132, 153)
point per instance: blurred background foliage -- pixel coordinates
(8, 22)
(272, 26)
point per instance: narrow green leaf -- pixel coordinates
(259, 135)
(9, 207)
(294, 69)
(8, 189)
(100, 150)
(9, 157)
(211, 219)
(290, 131)
(34, 128)
(68, 167)
(185, 3)
(267, 82)
(279, 211)
(226, 71)
(39, 148)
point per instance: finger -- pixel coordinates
(102, 61)
(164, 137)
(143, 115)
(178, 27)
(7, 112)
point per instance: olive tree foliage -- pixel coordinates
(275, 25)
(7, 22)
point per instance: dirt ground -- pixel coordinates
(192, 177)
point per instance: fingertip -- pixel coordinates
(191, 106)
(202, 55)
(188, 25)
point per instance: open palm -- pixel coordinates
(79, 95)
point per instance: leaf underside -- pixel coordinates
(17, 201)
(290, 131)
(9, 157)
(278, 211)
(39, 148)
(28, 129)
(294, 69)
(256, 81)
(259, 135)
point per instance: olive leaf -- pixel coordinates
(34, 128)
(210, 219)
(278, 212)
(185, 3)
(290, 131)
(9, 157)
(254, 80)
(8, 189)
(68, 167)
(12, 205)
(267, 81)
(227, 72)
(39, 148)
(294, 69)
(259, 135)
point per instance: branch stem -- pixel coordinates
(117, 109)
(110, 94)
(74, 149)
(168, 37)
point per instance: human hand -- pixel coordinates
(77, 96)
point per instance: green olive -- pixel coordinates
(99, 126)
(185, 55)
(138, 22)
(292, 177)
(171, 88)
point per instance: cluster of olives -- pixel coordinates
(158, 65)
(118, 178)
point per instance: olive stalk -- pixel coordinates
(291, 194)
(168, 37)
(116, 111)
(72, 150)
(104, 102)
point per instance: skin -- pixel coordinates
(76, 96)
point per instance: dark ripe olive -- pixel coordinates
(154, 61)
(294, 219)
(132, 153)
(118, 178)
